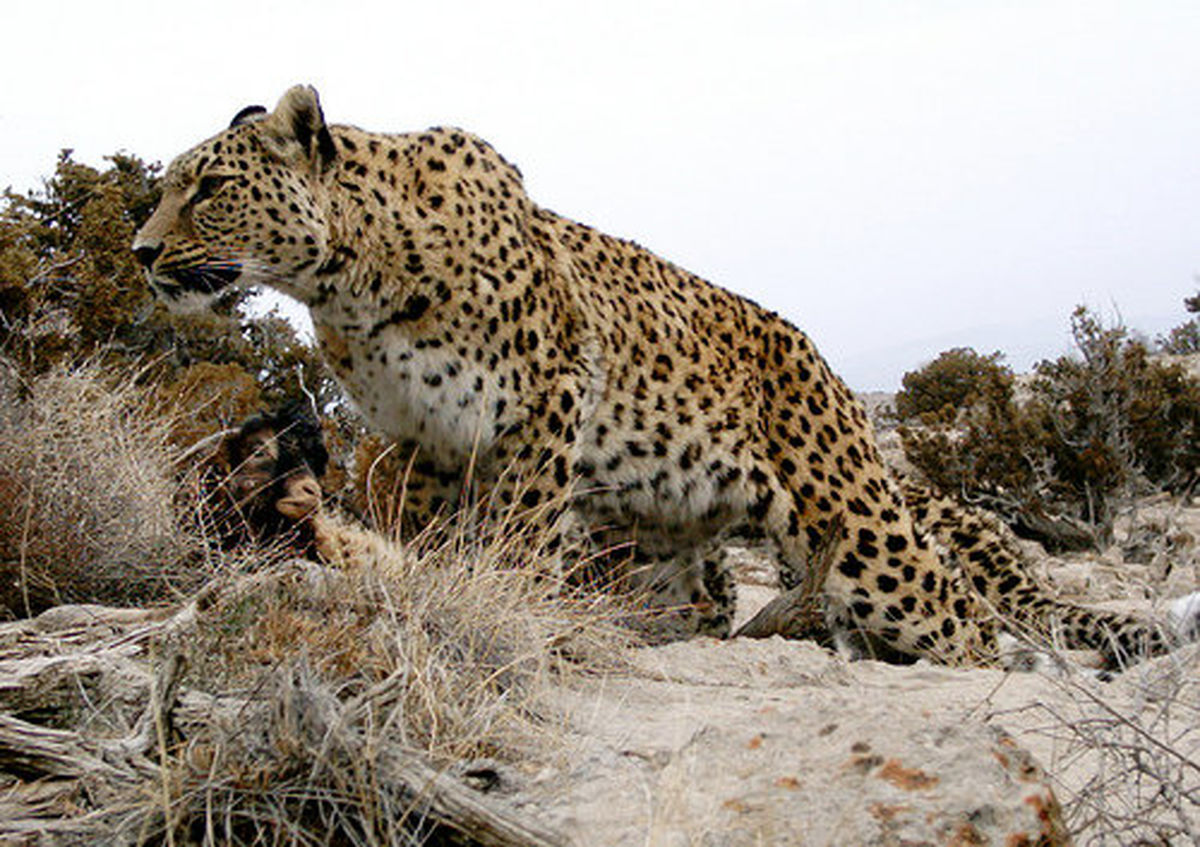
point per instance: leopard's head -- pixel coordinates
(243, 208)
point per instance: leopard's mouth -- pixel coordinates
(191, 289)
(201, 279)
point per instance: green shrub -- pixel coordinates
(1183, 340)
(955, 380)
(1097, 428)
(1121, 419)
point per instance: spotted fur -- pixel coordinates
(577, 374)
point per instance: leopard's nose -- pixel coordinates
(146, 254)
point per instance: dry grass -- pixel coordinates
(1127, 754)
(463, 627)
(446, 651)
(1145, 785)
(86, 482)
(307, 705)
(282, 702)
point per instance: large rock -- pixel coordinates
(772, 742)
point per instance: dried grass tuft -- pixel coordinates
(86, 479)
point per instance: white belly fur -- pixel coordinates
(433, 396)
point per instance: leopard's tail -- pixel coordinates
(993, 562)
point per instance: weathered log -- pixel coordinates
(38, 752)
(452, 804)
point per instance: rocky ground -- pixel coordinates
(747, 743)
(775, 742)
(751, 742)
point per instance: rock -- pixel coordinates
(773, 742)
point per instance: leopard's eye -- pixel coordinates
(208, 186)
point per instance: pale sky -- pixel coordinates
(894, 177)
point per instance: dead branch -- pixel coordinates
(454, 805)
(800, 613)
(29, 749)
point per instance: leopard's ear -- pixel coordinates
(248, 115)
(297, 128)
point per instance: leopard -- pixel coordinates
(606, 393)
